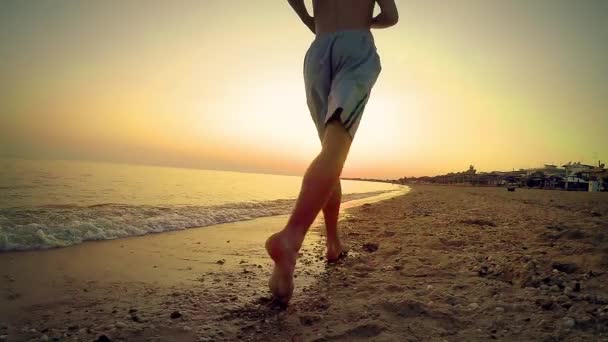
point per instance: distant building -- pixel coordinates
(549, 170)
(584, 177)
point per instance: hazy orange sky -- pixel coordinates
(218, 84)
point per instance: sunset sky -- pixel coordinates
(218, 84)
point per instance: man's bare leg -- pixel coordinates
(331, 211)
(317, 186)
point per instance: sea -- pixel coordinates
(49, 204)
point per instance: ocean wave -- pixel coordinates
(27, 228)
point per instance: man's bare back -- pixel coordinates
(340, 15)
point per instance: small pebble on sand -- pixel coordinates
(569, 322)
(370, 247)
(500, 309)
(121, 325)
(44, 338)
(474, 306)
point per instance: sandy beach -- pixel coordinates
(437, 264)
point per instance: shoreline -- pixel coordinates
(283, 209)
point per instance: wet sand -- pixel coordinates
(438, 264)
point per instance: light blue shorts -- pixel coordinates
(340, 69)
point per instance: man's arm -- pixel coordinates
(389, 16)
(300, 9)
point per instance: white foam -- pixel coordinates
(49, 227)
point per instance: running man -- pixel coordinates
(340, 69)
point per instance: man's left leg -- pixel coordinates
(317, 186)
(331, 211)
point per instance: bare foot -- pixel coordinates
(284, 257)
(335, 251)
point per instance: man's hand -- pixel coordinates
(389, 16)
(300, 9)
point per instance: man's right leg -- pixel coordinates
(331, 212)
(317, 186)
